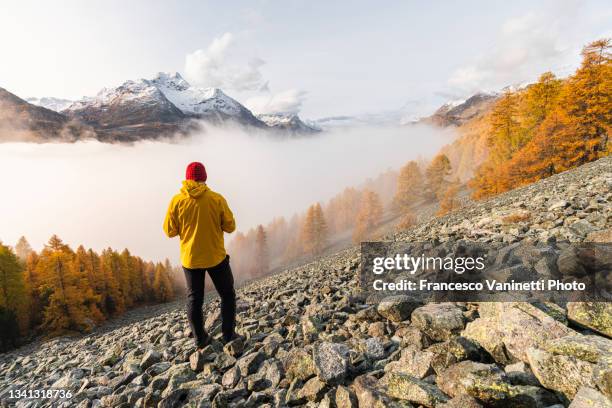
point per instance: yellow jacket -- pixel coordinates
(199, 216)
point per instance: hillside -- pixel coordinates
(468, 119)
(314, 340)
(22, 121)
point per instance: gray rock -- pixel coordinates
(345, 397)
(439, 321)
(397, 308)
(413, 362)
(589, 398)
(330, 361)
(374, 348)
(299, 364)
(561, 373)
(593, 315)
(231, 377)
(369, 393)
(249, 363)
(312, 390)
(151, 357)
(412, 389)
(461, 401)
(507, 330)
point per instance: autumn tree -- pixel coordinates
(450, 200)
(13, 306)
(162, 286)
(68, 297)
(262, 260)
(23, 249)
(409, 186)
(408, 220)
(342, 210)
(369, 216)
(112, 297)
(540, 99)
(552, 126)
(436, 174)
(587, 104)
(314, 231)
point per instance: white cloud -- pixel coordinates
(217, 66)
(525, 47)
(289, 101)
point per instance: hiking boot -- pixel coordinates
(234, 336)
(207, 340)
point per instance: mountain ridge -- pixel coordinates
(140, 109)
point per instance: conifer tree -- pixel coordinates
(409, 186)
(13, 294)
(112, 296)
(370, 214)
(449, 201)
(161, 284)
(436, 173)
(314, 231)
(320, 228)
(23, 249)
(262, 261)
(66, 293)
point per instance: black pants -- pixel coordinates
(223, 280)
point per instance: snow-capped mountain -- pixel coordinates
(205, 103)
(289, 122)
(166, 103)
(132, 111)
(54, 104)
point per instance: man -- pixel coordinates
(199, 216)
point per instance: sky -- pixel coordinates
(316, 58)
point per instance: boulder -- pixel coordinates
(590, 398)
(507, 330)
(369, 393)
(596, 316)
(330, 361)
(561, 373)
(397, 308)
(412, 389)
(313, 390)
(344, 397)
(413, 362)
(299, 364)
(440, 321)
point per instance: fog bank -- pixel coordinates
(102, 195)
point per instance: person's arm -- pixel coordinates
(228, 223)
(170, 222)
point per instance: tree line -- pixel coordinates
(355, 214)
(60, 290)
(550, 126)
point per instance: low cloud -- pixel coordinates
(525, 47)
(289, 101)
(217, 66)
(301, 171)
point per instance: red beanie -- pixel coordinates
(195, 171)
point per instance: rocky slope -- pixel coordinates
(313, 339)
